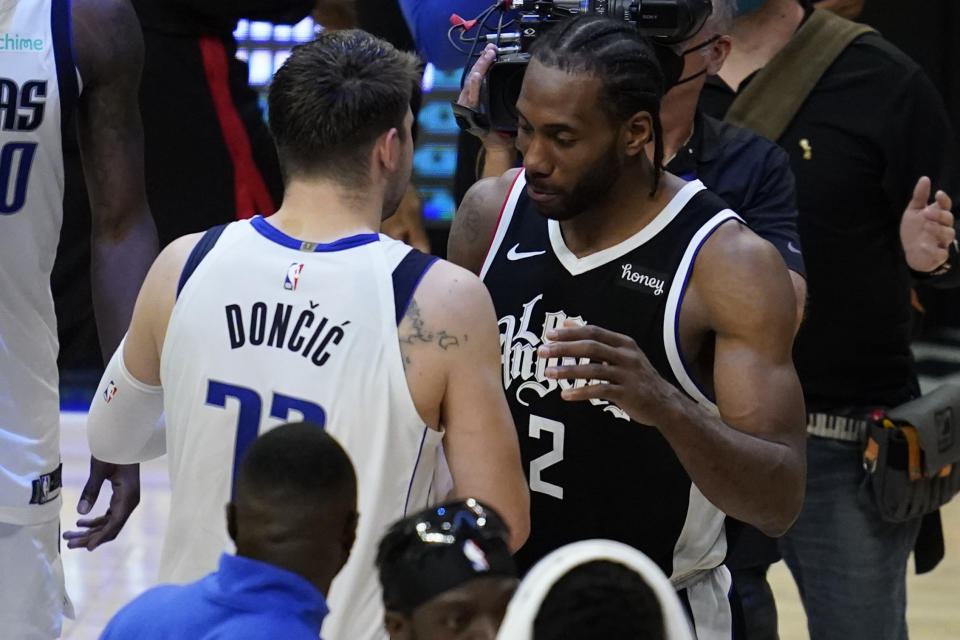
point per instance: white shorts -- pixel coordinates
(33, 599)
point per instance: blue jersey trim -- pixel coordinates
(413, 476)
(683, 293)
(200, 251)
(62, 33)
(273, 234)
(406, 278)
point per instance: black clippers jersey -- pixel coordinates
(593, 472)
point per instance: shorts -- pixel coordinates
(33, 598)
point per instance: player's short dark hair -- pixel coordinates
(597, 601)
(333, 97)
(623, 60)
(297, 463)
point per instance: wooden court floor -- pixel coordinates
(101, 582)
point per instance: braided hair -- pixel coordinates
(624, 61)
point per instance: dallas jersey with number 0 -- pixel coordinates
(267, 329)
(38, 85)
(593, 472)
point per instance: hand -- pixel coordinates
(618, 371)
(926, 230)
(494, 142)
(125, 479)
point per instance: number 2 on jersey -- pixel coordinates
(251, 408)
(537, 465)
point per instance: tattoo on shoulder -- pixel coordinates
(469, 225)
(419, 334)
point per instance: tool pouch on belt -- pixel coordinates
(912, 455)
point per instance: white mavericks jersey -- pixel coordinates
(38, 85)
(268, 329)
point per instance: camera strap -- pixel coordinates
(773, 97)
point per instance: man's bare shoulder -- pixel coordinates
(449, 306)
(453, 292)
(165, 272)
(486, 196)
(743, 280)
(476, 220)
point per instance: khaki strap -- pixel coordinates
(913, 452)
(773, 97)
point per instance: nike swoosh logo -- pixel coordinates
(792, 247)
(513, 254)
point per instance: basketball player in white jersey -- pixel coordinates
(646, 332)
(312, 314)
(42, 79)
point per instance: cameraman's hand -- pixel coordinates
(499, 147)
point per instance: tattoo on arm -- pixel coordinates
(469, 226)
(420, 334)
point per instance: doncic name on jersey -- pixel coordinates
(522, 363)
(296, 328)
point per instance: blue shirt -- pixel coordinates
(243, 599)
(752, 175)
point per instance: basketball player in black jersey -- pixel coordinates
(645, 331)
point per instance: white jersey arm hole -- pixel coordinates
(126, 417)
(671, 320)
(536, 585)
(503, 223)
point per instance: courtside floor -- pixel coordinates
(102, 581)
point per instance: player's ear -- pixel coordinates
(717, 53)
(637, 131)
(388, 149)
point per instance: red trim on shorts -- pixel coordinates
(503, 208)
(249, 189)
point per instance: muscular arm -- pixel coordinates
(476, 220)
(148, 328)
(125, 429)
(450, 343)
(749, 462)
(109, 54)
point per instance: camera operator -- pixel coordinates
(693, 306)
(871, 125)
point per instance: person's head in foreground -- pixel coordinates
(293, 517)
(595, 590)
(447, 573)
(340, 112)
(588, 106)
(295, 503)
